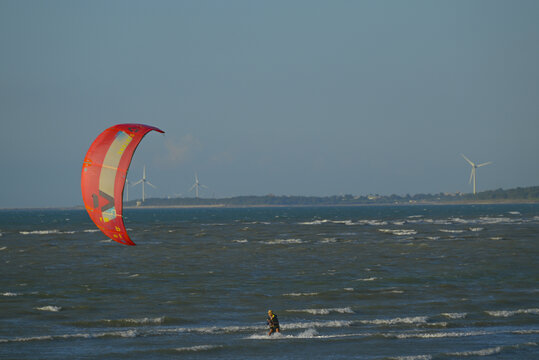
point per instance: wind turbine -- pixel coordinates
(144, 181)
(472, 175)
(196, 186)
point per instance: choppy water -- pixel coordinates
(434, 282)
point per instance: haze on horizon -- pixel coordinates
(284, 97)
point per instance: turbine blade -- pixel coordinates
(192, 187)
(152, 185)
(471, 176)
(468, 160)
(136, 183)
(204, 186)
(484, 164)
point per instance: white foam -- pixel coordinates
(405, 320)
(302, 294)
(483, 352)
(399, 232)
(141, 321)
(49, 308)
(452, 231)
(412, 357)
(346, 310)
(475, 229)
(283, 241)
(198, 348)
(437, 335)
(372, 222)
(39, 232)
(241, 241)
(514, 212)
(506, 313)
(11, 294)
(368, 279)
(91, 230)
(455, 315)
(314, 222)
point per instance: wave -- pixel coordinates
(412, 357)
(11, 294)
(451, 231)
(483, 352)
(437, 335)
(509, 313)
(123, 334)
(346, 310)
(455, 315)
(475, 229)
(302, 294)
(368, 279)
(49, 308)
(39, 232)
(283, 241)
(405, 320)
(399, 232)
(198, 348)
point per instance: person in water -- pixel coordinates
(273, 323)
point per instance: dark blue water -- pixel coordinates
(418, 282)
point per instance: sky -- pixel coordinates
(271, 97)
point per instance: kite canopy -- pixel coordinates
(104, 172)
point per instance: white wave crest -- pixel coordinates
(39, 232)
(283, 241)
(368, 279)
(3, 247)
(438, 335)
(302, 294)
(455, 315)
(483, 352)
(49, 308)
(11, 294)
(412, 357)
(198, 348)
(157, 320)
(509, 313)
(127, 333)
(475, 229)
(91, 230)
(452, 231)
(241, 241)
(346, 310)
(399, 232)
(406, 320)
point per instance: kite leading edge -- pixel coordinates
(104, 173)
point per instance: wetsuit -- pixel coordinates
(273, 323)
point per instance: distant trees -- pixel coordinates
(518, 194)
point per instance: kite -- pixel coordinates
(104, 172)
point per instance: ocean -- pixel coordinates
(374, 282)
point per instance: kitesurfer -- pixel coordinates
(273, 322)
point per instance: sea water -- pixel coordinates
(406, 282)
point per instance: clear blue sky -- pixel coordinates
(282, 97)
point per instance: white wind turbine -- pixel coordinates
(472, 175)
(144, 181)
(197, 185)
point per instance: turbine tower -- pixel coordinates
(144, 181)
(197, 185)
(472, 175)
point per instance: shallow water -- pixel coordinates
(418, 282)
